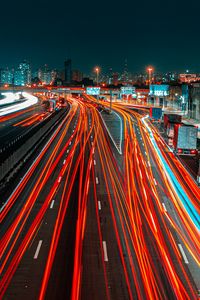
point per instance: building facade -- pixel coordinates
(22, 75)
(68, 71)
(6, 76)
(194, 101)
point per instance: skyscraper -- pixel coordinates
(46, 75)
(6, 76)
(125, 75)
(68, 71)
(22, 74)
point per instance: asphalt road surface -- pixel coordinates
(88, 222)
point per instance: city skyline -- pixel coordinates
(103, 69)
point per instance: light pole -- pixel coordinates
(97, 75)
(150, 69)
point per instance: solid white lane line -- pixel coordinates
(163, 204)
(94, 162)
(105, 251)
(99, 205)
(38, 249)
(52, 204)
(183, 254)
(97, 180)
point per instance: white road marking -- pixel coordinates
(52, 204)
(163, 204)
(38, 249)
(64, 161)
(99, 205)
(183, 254)
(105, 251)
(59, 179)
(94, 162)
(155, 181)
(97, 180)
(70, 143)
(68, 151)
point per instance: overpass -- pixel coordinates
(60, 89)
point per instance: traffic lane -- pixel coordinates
(141, 139)
(27, 280)
(179, 170)
(93, 276)
(102, 267)
(118, 268)
(60, 281)
(51, 207)
(169, 208)
(140, 163)
(19, 116)
(36, 207)
(14, 213)
(9, 132)
(188, 261)
(69, 250)
(34, 178)
(25, 165)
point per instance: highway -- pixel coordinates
(15, 123)
(86, 221)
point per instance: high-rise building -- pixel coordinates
(68, 71)
(125, 75)
(115, 78)
(6, 76)
(188, 78)
(22, 75)
(46, 75)
(77, 75)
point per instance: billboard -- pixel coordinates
(93, 91)
(159, 90)
(127, 90)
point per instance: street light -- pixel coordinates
(97, 75)
(150, 70)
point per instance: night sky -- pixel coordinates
(165, 34)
